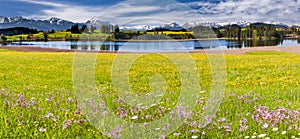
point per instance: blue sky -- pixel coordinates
(286, 11)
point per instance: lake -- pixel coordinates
(157, 45)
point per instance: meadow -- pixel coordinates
(67, 35)
(261, 99)
(58, 35)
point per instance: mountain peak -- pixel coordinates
(54, 19)
(18, 21)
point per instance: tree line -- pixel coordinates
(259, 31)
(17, 30)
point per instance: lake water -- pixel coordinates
(157, 45)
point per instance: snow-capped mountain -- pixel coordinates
(97, 23)
(52, 23)
(194, 23)
(214, 24)
(137, 27)
(239, 23)
(278, 24)
(171, 26)
(60, 24)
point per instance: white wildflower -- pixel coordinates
(194, 137)
(262, 135)
(134, 117)
(275, 129)
(43, 130)
(283, 132)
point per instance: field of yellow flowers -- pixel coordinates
(261, 100)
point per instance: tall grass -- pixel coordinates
(262, 96)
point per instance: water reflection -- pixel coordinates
(95, 46)
(158, 45)
(110, 47)
(256, 43)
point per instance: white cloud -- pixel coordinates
(162, 11)
(150, 12)
(65, 11)
(251, 10)
(131, 11)
(43, 3)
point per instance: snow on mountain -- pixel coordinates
(240, 23)
(97, 23)
(94, 21)
(245, 23)
(4, 20)
(194, 23)
(171, 26)
(60, 24)
(279, 24)
(137, 27)
(52, 23)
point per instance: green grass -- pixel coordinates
(45, 79)
(60, 35)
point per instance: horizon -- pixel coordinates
(218, 11)
(171, 22)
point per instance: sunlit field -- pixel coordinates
(58, 35)
(261, 100)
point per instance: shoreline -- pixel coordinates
(290, 49)
(166, 40)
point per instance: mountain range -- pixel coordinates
(18, 21)
(60, 24)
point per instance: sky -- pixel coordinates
(155, 11)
